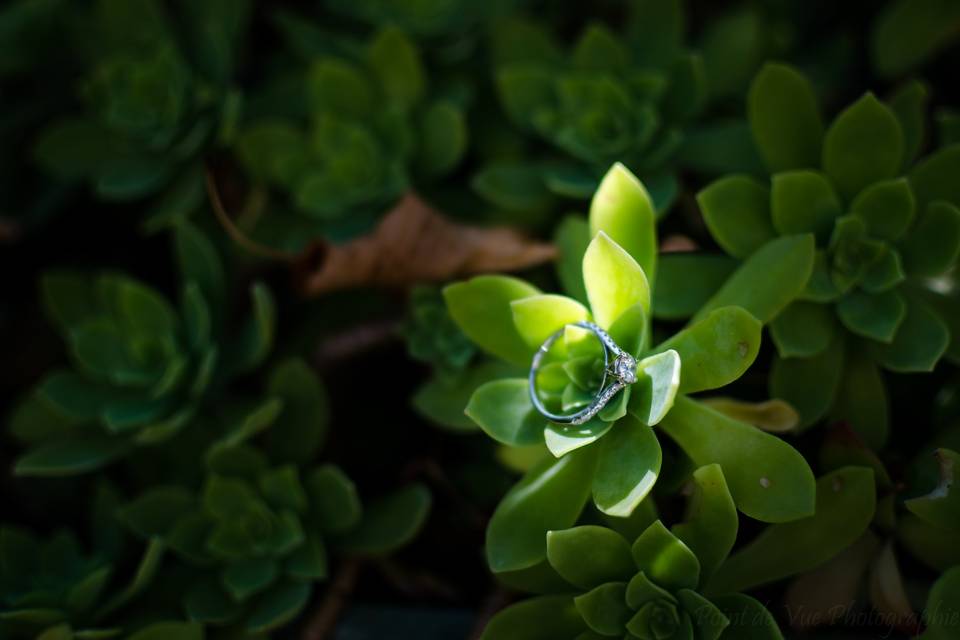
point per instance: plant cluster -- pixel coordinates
(270, 359)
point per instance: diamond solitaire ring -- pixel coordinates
(619, 370)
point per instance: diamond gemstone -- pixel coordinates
(625, 368)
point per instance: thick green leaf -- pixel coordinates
(863, 145)
(255, 338)
(907, 33)
(627, 467)
(443, 398)
(775, 416)
(588, 556)
(641, 590)
(919, 344)
(391, 522)
(875, 316)
(504, 411)
(785, 118)
(934, 177)
(665, 559)
(333, 499)
(943, 607)
(861, 399)
(199, 262)
(941, 507)
(604, 608)
(207, 602)
(768, 280)
(70, 455)
(768, 479)
(517, 187)
(561, 439)
(846, 500)
(932, 247)
(716, 349)
(622, 209)
(146, 571)
(886, 207)
(910, 103)
(543, 618)
(301, 428)
(550, 497)
(809, 384)
(614, 280)
(538, 317)
(749, 620)
(933, 546)
(278, 606)
(572, 238)
(481, 308)
(248, 577)
(708, 621)
(685, 281)
(308, 561)
(155, 512)
(443, 138)
(737, 212)
(710, 525)
(658, 379)
(803, 202)
(803, 329)
(396, 63)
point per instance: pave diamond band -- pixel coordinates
(619, 369)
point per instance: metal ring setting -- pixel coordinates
(617, 364)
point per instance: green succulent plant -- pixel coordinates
(52, 588)
(365, 126)
(616, 456)
(432, 336)
(141, 368)
(254, 532)
(682, 582)
(154, 95)
(253, 536)
(612, 98)
(872, 228)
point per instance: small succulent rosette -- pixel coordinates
(154, 95)
(655, 587)
(141, 367)
(55, 588)
(365, 126)
(251, 539)
(846, 250)
(614, 459)
(614, 97)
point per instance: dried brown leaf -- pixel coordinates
(415, 243)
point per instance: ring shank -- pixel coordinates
(604, 394)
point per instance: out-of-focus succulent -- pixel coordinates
(431, 334)
(154, 94)
(253, 537)
(141, 368)
(874, 228)
(365, 125)
(612, 98)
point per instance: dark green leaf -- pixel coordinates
(737, 212)
(785, 118)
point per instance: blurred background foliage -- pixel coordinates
(195, 448)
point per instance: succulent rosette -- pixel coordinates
(841, 246)
(141, 367)
(615, 457)
(615, 96)
(365, 126)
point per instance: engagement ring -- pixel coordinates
(619, 367)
